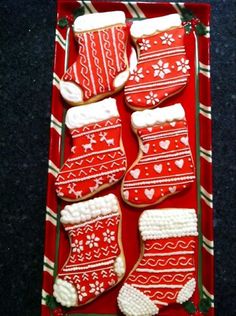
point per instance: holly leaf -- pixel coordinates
(189, 307)
(79, 11)
(188, 28)
(201, 29)
(204, 305)
(187, 15)
(63, 22)
(51, 302)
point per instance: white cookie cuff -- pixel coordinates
(166, 223)
(91, 113)
(147, 118)
(151, 26)
(85, 211)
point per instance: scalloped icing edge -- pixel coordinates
(91, 22)
(166, 223)
(150, 26)
(85, 211)
(91, 113)
(147, 118)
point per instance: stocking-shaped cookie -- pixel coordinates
(164, 165)
(97, 158)
(162, 69)
(101, 66)
(96, 262)
(165, 273)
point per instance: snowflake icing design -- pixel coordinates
(92, 241)
(77, 246)
(151, 98)
(144, 45)
(183, 65)
(161, 69)
(136, 74)
(109, 236)
(97, 288)
(167, 39)
(81, 292)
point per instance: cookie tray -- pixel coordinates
(196, 101)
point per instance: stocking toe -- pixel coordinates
(186, 292)
(71, 92)
(65, 293)
(121, 79)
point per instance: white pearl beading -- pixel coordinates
(165, 223)
(133, 302)
(147, 118)
(91, 22)
(91, 113)
(119, 266)
(186, 292)
(153, 25)
(85, 211)
(65, 293)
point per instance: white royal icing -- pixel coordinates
(133, 60)
(119, 266)
(186, 292)
(71, 92)
(165, 223)
(147, 118)
(91, 113)
(121, 79)
(65, 293)
(89, 22)
(132, 302)
(151, 26)
(85, 211)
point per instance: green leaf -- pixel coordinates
(187, 15)
(204, 305)
(79, 11)
(201, 29)
(188, 28)
(62, 22)
(51, 302)
(189, 307)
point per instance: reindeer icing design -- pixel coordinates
(89, 145)
(109, 141)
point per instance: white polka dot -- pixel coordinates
(173, 67)
(155, 42)
(168, 163)
(146, 174)
(180, 36)
(184, 186)
(136, 191)
(176, 141)
(166, 94)
(139, 100)
(153, 145)
(136, 198)
(155, 150)
(161, 127)
(162, 194)
(169, 169)
(176, 146)
(147, 71)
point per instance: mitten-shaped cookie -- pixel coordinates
(165, 273)
(101, 68)
(162, 69)
(164, 165)
(96, 262)
(97, 158)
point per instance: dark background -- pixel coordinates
(26, 60)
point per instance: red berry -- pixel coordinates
(57, 312)
(70, 18)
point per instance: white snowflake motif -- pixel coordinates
(183, 65)
(161, 69)
(136, 74)
(77, 246)
(96, 288)
(92, 241)
(152, 98)
(81, 291)
(167, 39)
(145, 45)
(109, 236)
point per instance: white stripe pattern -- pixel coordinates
(56, 124)
(44, 295)
(60, 40)
(56, 81)
(208, 245)
(134, 9)
(206, 196)
(52, 168)
(176, 7)
(206, 154)
(205, 70)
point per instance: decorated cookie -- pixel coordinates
(164, 165)
(165, 273)
(101, 68)
(96, 262)
(97, 158)
(162, 68)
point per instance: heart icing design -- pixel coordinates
(164, 144)
(145, 148)
(126, 195)
(149, 193)
(135, 173)
(158, 168)
(184, 140)
(179, 163)
(172, 124)
(172, 189)
(149, 129)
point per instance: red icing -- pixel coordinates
(162, 69)
(166, 166)
(92, 243)
(96, 160)
(101, 57)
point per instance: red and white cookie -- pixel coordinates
(164, 165)
(97, 158)
(162, 68)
